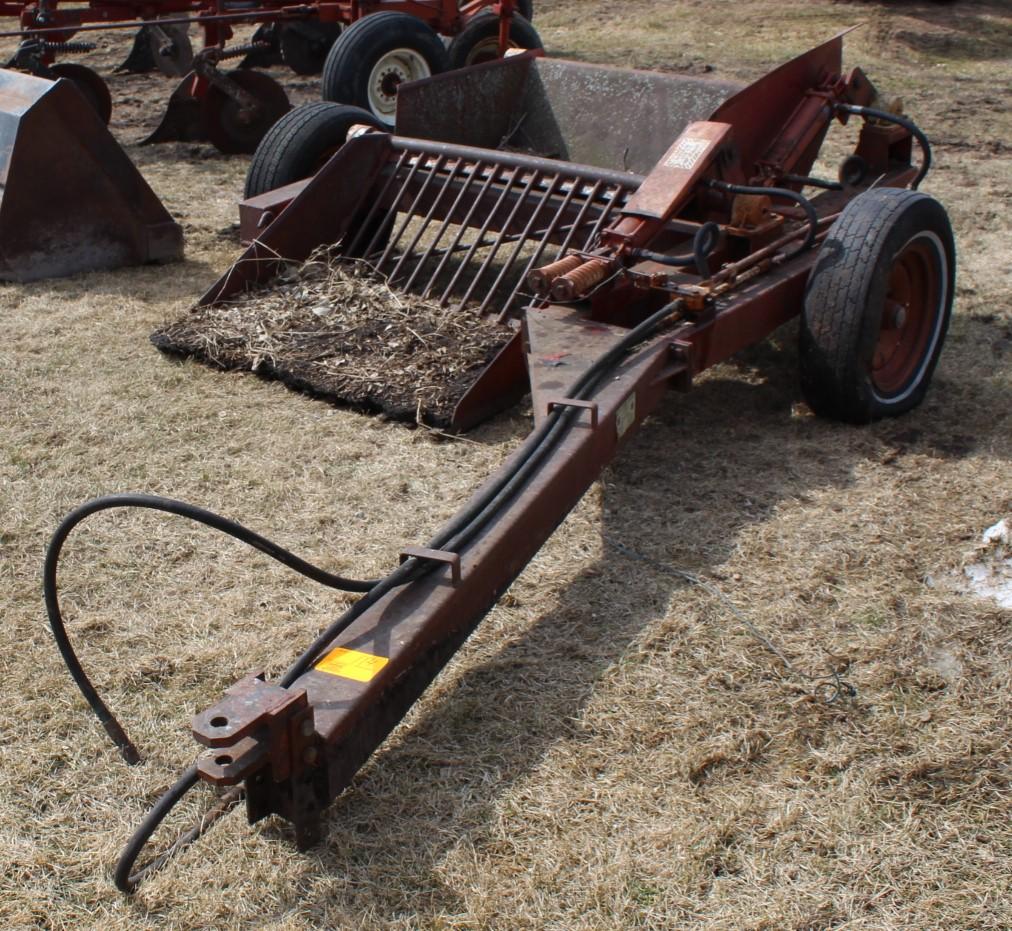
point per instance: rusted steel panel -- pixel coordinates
(72, 201)
(326, 209)
(596, 115)
(760, 111)
(614, 118)
(474, 106)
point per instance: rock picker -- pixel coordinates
(633, 253)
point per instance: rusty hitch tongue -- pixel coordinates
(255, 726)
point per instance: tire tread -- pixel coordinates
(835, 333)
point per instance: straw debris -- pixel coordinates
(340, 332)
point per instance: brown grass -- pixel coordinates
(612, 749)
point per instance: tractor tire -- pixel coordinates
(877, 306)
(524, 7)
(300, 143)
(376, 54)
(478, 41)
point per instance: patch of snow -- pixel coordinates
(946, 664)
(991, 575)
(999, 533)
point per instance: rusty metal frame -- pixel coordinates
(595, 367)
(48, 20)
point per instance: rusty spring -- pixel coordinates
(239, 51)
(66, 48)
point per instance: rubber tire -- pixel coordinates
(296, 145)
(353, 56)
(524, 7)
(485, 26)
(845, 299)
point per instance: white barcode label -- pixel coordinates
(687, 152)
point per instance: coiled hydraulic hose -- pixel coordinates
(909, 125)
(456, 534)
(703, 243)
(152, 502)
(787, 193)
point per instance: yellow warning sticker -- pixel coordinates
(352, 664)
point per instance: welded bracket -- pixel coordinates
(554, 402)
(442, 556)
(255, 725)
(677, 371)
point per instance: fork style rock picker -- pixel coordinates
(637, 283)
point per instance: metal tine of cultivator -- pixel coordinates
(451, 176)
(545, 235)
(413, 209)
(472, 171)
(482, 232)
(521, 241)
(532, 178)
(371, 215)
(581, 217)
(606, 213)
(494, 173)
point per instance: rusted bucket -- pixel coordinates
(71, 199)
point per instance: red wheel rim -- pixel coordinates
(910, 317)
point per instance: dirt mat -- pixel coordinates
(340, 333)
(615, 747)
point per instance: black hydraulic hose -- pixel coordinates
(909, 125)
(466, 524)
(456, 533)
(124, 879)
(171, 506)
(703, 243)
(787, 193)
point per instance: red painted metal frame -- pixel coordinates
(297, 748)
(61, 24)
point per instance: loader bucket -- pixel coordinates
(70, 198)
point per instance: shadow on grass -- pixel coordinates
(962, 32)
(703, 469)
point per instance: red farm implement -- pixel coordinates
(364, 49)
(644, 250)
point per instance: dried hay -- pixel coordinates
(336, 330)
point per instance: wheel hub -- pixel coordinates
(908, 317)
(393, 69)
(389, 82)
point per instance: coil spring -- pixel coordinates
(68, 48)
(541, 279)
(239, 51)
(580, 280)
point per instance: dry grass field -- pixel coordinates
(614, 748)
